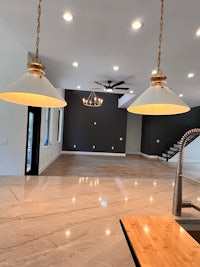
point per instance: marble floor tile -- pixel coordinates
(74, 220)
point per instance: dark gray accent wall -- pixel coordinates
(85, 127)
(167, 129)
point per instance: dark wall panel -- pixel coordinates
(166, 129)
(80, 131)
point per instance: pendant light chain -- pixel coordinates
(34, 89)
(38, 32)
(158, 99)
(159, 71)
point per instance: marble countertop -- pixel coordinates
(74, 221)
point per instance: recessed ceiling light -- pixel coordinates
(180, 95)
(75, 64)
(131, 92)
(116, 68)
(67, 16)
(190, 75)
(154, 72)
(137, 24)
(78, 87)
(198, 32)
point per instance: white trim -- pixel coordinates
(93, 153)
(134, 153)
(149, 156)
(192, 178)
(161, 158)
(185, 161)
(42, 168)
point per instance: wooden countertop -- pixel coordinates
(159, 241)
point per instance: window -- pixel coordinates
(47, 131)
(59, 132)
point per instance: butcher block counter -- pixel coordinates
(159, 241)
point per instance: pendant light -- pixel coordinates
(158, 99)
(33, 89)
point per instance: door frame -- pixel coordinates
(34, 170)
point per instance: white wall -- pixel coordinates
(191, 152)
(133, 133)
(13, 118)
(50, 153)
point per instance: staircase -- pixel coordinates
(174, 149)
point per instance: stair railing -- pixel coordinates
(178, 204)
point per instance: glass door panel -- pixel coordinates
(30, 142)
(33, 141)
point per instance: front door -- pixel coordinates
(33, 141)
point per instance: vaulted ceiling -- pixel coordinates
(100, 36)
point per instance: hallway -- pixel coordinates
(131, 166)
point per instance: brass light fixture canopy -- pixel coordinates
(33, 89)
(158, 78)
(158, 99)
(36, 68)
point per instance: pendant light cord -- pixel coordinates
(38, 32)
(159, 71)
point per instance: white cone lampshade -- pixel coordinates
(33, 89)
(158, 99)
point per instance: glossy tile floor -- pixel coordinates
(73, 220)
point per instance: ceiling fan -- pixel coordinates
(109, 86)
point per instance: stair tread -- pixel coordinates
(174, 149)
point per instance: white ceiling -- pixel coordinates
(101, 36)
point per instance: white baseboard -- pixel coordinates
(149, 156)
(161, 158)
(184, 161)
(93, 153)
(133, 153)
(42, 168)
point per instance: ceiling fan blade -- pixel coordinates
(122, 88)
(118, 83)
(100, 84)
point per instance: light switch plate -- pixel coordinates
(3, 141)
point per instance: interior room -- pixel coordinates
(99, 133)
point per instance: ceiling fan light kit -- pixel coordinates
(158, 99)
(110, 86)
(109, 90)
(33, 89)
